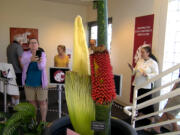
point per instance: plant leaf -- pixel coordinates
(21, 117)
(26, 107)
(79, 101)
(80, 50)
(10, 130)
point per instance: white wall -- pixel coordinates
(54, 21)
(123, 13)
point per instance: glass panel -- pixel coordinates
(172, 44)
(94, 34)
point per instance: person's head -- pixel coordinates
(18, 38)
(61, 49)
(146, 53)
(92, 43)
(33, 44)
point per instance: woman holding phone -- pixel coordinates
(145, 69)
(34, 77)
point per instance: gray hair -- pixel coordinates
(18, 38)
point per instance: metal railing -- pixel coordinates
(5, 83)
(132, 110)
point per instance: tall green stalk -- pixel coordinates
(102, 21)
(103, 112)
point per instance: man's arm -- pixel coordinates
(20, 53)
(19, 60)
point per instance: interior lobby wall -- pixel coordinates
(123, 13)
(54, 21)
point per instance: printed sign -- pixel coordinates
(97, 125)
(57, 75)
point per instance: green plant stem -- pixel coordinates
(103, 114)
(102, 21)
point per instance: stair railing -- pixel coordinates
(132, 110)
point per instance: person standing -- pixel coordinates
(34, 77)
(92, 45)
(14, 53)
(145, 69)
(61, 59)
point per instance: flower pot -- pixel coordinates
(118, 127)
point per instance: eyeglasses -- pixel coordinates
(33, 43)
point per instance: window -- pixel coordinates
(172, 44)
(92, 28)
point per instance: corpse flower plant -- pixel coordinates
(103, 87)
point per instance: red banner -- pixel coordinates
(142, 37)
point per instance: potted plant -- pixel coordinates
(22, 122)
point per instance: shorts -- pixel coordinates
(36, 94)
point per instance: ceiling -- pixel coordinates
(76, 2)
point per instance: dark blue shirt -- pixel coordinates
(33, 78)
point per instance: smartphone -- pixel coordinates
(39, 53)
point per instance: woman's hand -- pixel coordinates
(39, 60)
(34, 58)
(144, 74)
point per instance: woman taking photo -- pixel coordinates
(34, 77)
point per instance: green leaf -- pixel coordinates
(21, 117)
(79, 101)
(10, 130)
(41, 127)
(26, 107)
